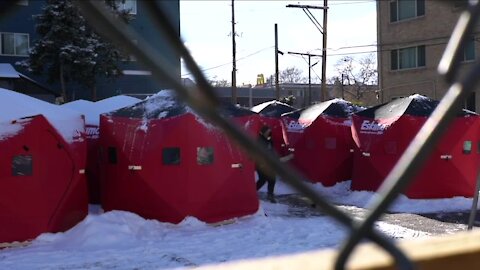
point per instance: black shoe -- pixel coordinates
(271, 198)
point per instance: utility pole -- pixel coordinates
(309, 80)
(234, 61)
(324, 51)
(277, 87)
(323, 31)
(309, 72)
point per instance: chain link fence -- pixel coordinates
(204, 101)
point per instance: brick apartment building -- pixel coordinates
(412, 35)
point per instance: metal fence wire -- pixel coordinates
(204, 101)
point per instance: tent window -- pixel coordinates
(204, 155)
(478, 147)
(22, 165)
(467, 147)
(171, 155)
(112, 155)
(330, 143)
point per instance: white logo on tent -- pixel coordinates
(92, 132)
(371, 127)
(295, 126)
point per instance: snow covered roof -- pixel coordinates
(272, 108)
(166, 104)
(334, 107)
(92, 110)
(7, 71)
(117, 102)
(415, 105)
(14, 106)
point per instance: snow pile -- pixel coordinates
(167, 104)
(15, 106)
(258, 108)
(116, 102)
(92, 110)
(159, 105)
(85, 107)
(348, 107)
(419, 97)
(337, 108)
(7, 71)
(427, 101)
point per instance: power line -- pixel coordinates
(399, 44)
(351, 3)
(243, 10)
(349, 47)
(229, 63)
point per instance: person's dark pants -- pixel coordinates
(264, 178)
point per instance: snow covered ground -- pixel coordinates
(122, 240)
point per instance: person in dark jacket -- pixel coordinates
(264, 174)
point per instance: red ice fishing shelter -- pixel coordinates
(320, 136)
(162, 161)
(42, 185)
(270, 113)
(92, 111)
(382, 134)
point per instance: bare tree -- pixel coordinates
(357, 74)
(288, 75)
(215, 82)
(291, 75)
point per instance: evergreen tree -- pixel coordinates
(69, 50)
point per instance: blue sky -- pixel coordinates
(206, 28)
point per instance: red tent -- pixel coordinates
(92, 111)
(164, 162)
(382, 134)
(42, 185)
(270, 113)
(321, 138)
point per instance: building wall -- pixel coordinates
(433, 29)
(20, 20)
(249, 97)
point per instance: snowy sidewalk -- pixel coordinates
(425, 223)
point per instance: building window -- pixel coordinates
(204, 155)
(171, 155)
(469, 50)
(22, 165)
(406, 58)
(14, 44)
(127, 5)
(406, 9)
